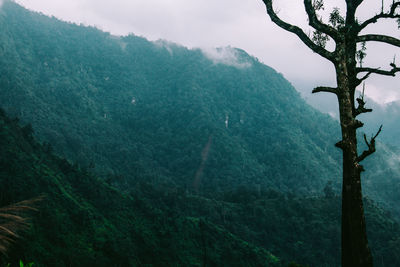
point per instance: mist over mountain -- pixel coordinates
(147, 110)
(207, 137)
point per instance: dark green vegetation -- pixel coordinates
(84, 222)
(142, 111)
(75, 85)
(150, 120)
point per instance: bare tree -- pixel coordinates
(346, 33)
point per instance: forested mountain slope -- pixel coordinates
(148, 110)
(137, 111)
(204, 121)
(84, 222)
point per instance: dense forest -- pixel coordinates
(151, 154)
(82, 221)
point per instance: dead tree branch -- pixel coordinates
(298, 31)
(370, 145)
(369, 71)
(389, 15)
(361, 104)
(324, 89)
(379, 38)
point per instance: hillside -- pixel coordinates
(147, 110)
(176, 153)
(82, 221)
(206, 121)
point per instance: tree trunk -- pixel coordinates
(355, 250)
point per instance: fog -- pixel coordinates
(244, 24)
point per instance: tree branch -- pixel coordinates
(379, 38)
(314, 22)
(390, 15)
(324, 89)
(360, 80)
(298, 31)
(340, 144)
(351, 6)
(369, 71)
(361, 104)
(371, 146)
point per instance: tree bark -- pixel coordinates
(355, 249)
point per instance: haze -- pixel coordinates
(236, 23)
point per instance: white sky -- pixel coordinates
(238, 23)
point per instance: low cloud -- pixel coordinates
(1, 3)
(238, 23)
(167, 45)
(227, 56)
(378, 93)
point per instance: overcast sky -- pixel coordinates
(238, 23)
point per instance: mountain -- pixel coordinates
(181, 139)
(151, 111)
(207, 121)
(84, 222)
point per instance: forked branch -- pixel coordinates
(371, 146)
(298, 31)
(369, 71)
(360, 80)
(389, 15)
(317, 24)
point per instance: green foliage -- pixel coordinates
(136, 111)
(318, 5)
(21, 264)
(84, 222)
(145, 111)
(361, 54)
(306, 230)
(335, 19)
(320, 38)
